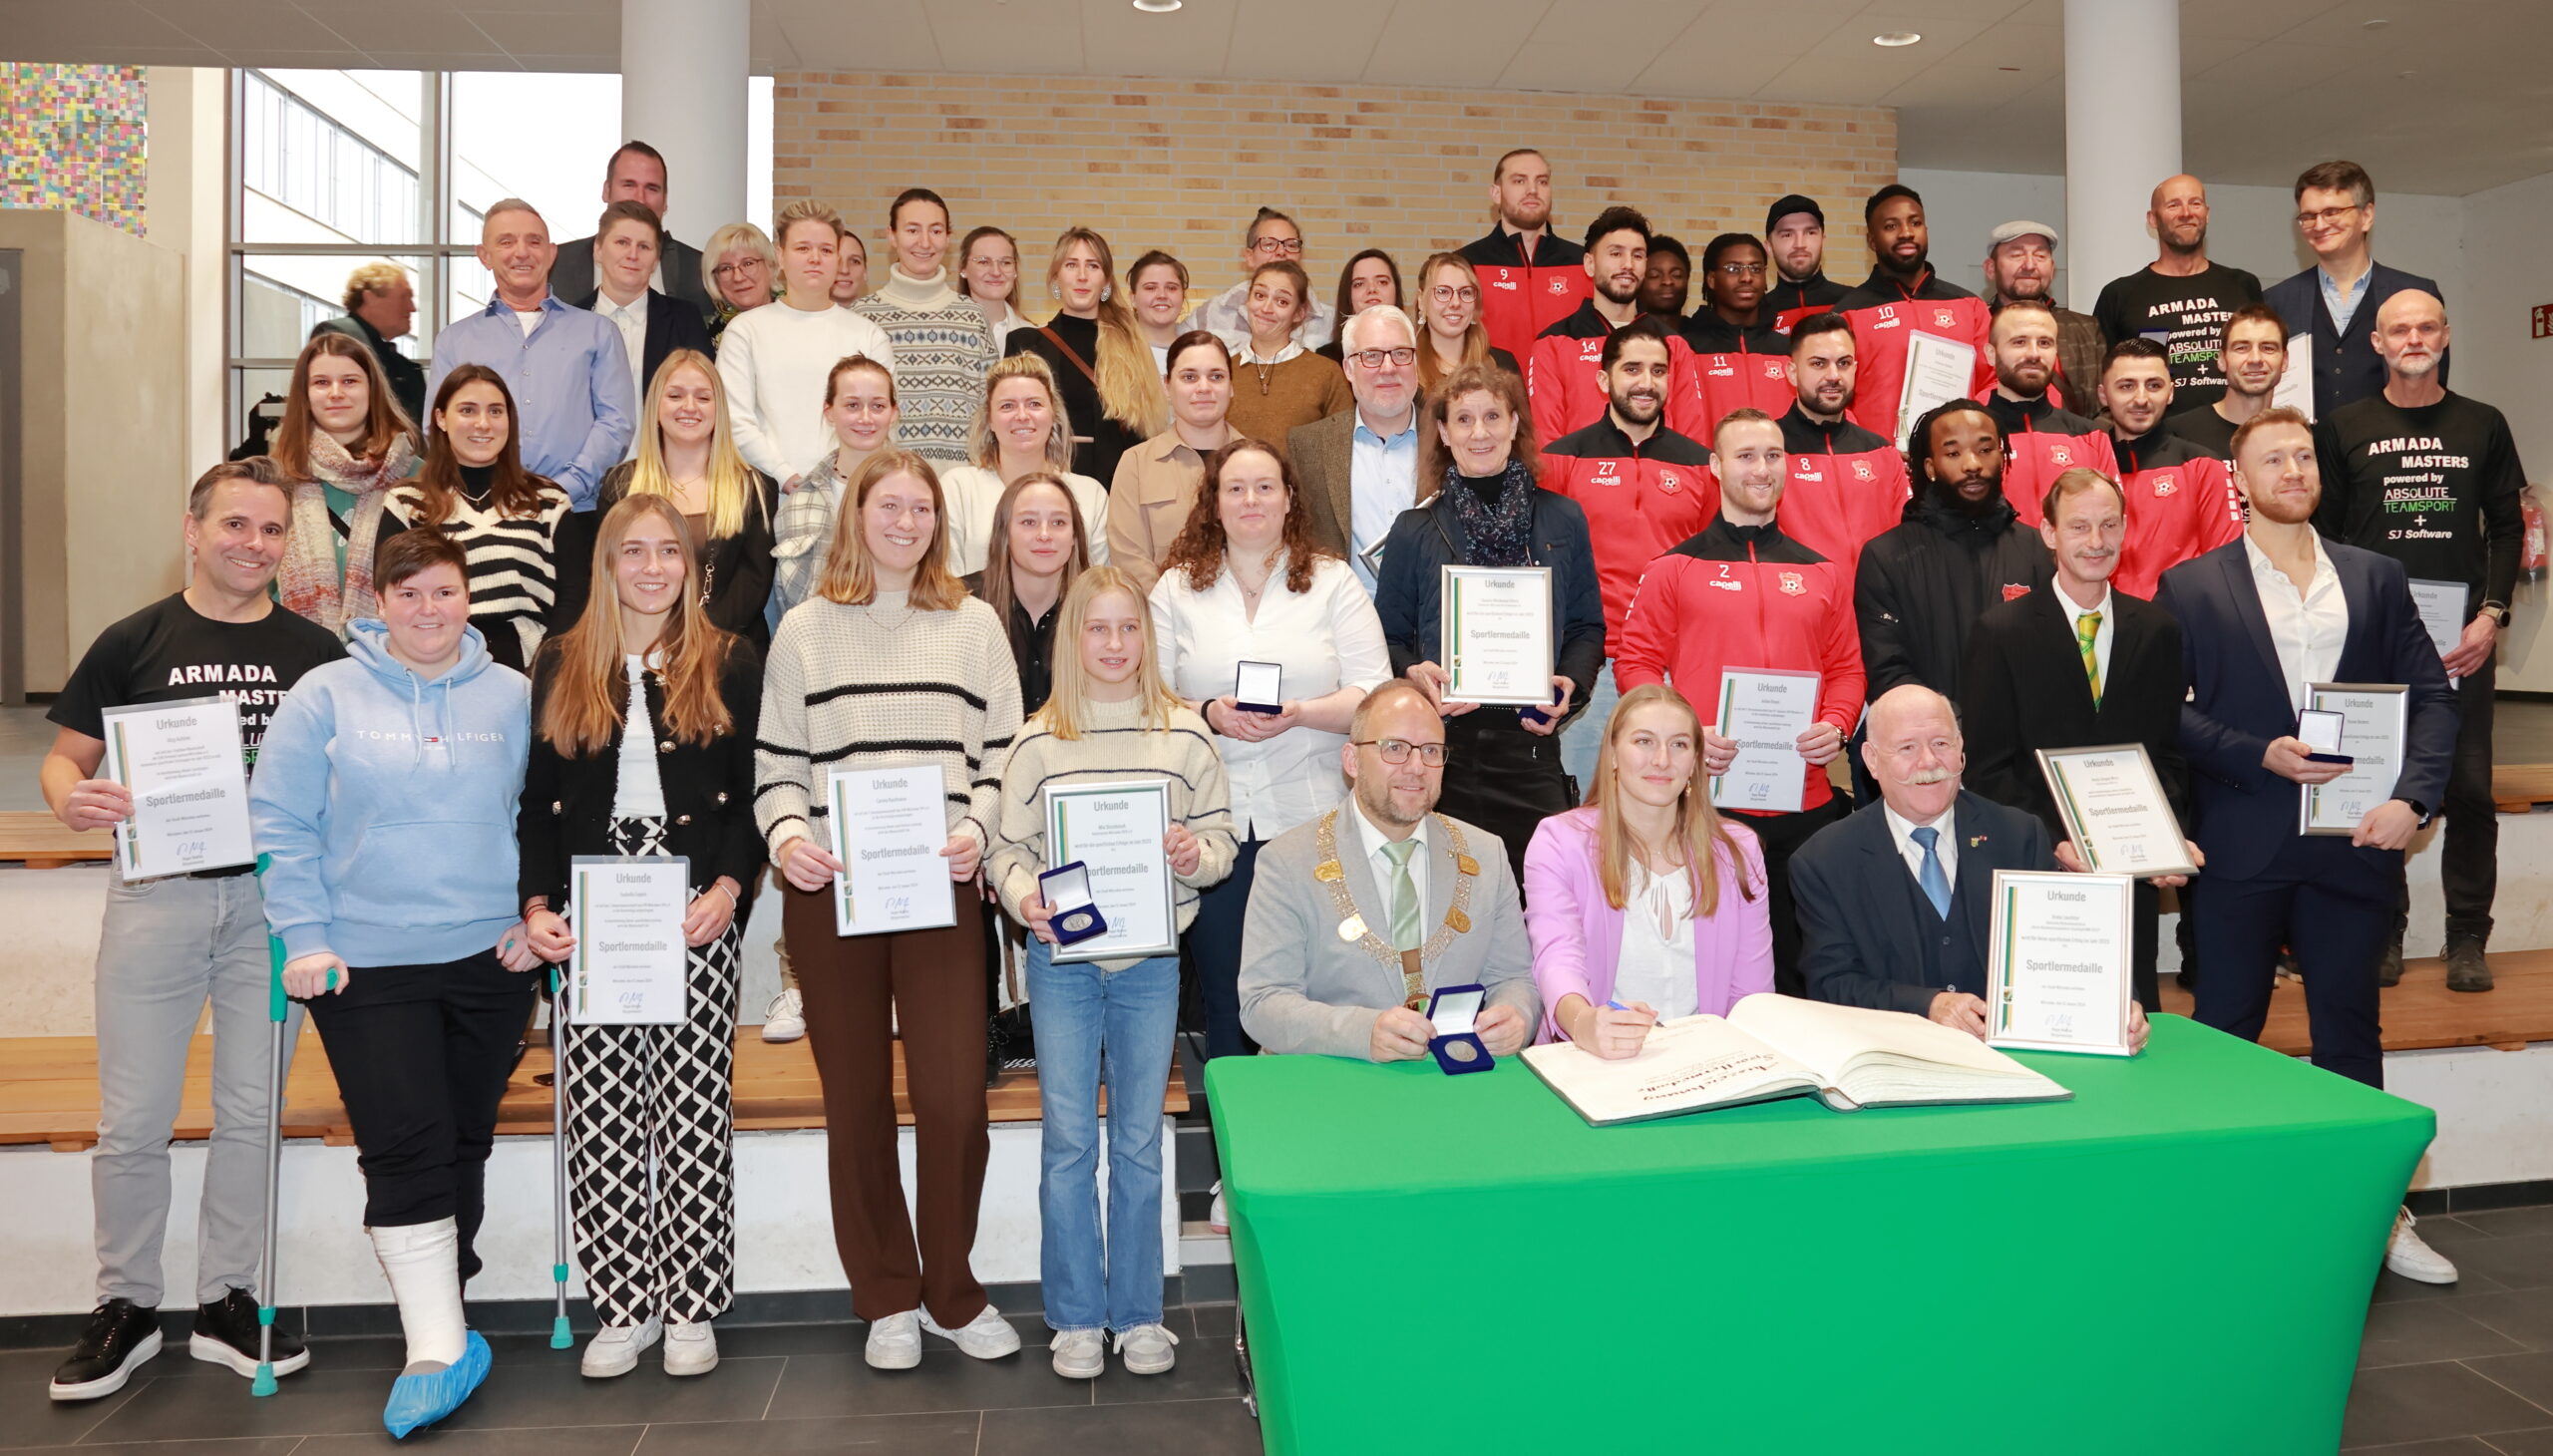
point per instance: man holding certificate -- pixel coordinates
(1922, 341)
(1757, 632)
(175, 941)
(2079, 668)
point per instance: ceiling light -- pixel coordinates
(1158, 7)
(1895, 38)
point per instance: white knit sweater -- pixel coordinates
(772, 362)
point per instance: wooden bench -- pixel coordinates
(2521, 788)
(2421, 1013)
(38, 841)
(49, 1092)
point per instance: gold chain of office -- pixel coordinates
(1352, 924)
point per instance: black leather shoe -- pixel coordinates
(2388, 971)
(226, 1334)
(122, 1337)
(2466, 970)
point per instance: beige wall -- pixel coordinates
(104, 465)
(1182, 165)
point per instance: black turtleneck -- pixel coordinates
(477, 481)
(1487, 487)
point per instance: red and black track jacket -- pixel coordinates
(1884, 312)
(2180, 501)
(2040, 443)
(1520, 299)
(1844, 486)
(1732, 368)
(1790, 302)
(1640, 500)
(1746, 596)
(1565, 373)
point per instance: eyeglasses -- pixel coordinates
(741, 266)
(1291, 246)
(1742, 270)
(1444, 294)
(1395, 751)
(1377, 358)
(2327, 217)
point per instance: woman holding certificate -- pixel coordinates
(342, 444)
(1270, 638)
(1109, 1021)
(1645, 904)
(897, 685)
(642, 746)
(1518, 646)
(386, 795)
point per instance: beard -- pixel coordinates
(1950, 495)
(1374, 796)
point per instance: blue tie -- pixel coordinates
(1936, 885)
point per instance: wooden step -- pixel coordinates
(38, 841)
(2421, 1013)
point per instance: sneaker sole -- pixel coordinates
(682, 1370)
(1164, 1369)
(113, 1380)
(2420, 1276)
(1076, 1372)
(777, 1040)
(891, 1361)
(215, 1351)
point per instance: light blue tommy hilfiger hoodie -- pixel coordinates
(388, 803)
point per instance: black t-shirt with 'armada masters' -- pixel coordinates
(169, 653)
(2434, 487)
(2185, 315)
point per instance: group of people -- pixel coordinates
(661, 559)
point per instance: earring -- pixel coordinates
(1105, 292)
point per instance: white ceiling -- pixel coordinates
(2446, 96)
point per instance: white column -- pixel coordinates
(2123, 134)
(184, 210)
(684, 69)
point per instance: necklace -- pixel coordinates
(1263, 376)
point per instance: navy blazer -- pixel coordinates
(1859, 920)
(671, 326)
(2239, 701)
(571, 273)
(1409, 590)
(2346, 369)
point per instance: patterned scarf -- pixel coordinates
(1501, 531)
(309, 583)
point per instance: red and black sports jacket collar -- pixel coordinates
(1604, 440)
(1582, 322)
(1804, 436)
(1708, 333)
(2154, 450)
(1722, 541)
(2035, 416)
(1814, 291)
(1882, 287)
(1500, 250)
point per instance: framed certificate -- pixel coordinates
(1115, 831)
(2114, 810)
(2058, 967)
(1497, 628)
(1766, 710)
(2442, 610)
(190, 783)
(1937, 370)
(2374, 718)
(888, 826)
(629, 964)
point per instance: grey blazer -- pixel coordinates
(1304, 990)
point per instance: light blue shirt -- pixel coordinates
(1383, 482)
(575, 412)
(2343, 306)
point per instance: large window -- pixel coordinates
(335, 170)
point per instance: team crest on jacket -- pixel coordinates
(2015, 590)
(2060, 455)
(2164, 486)
(1667, 482)
(1793, 584)
(1559, 286)
(1861, 471)
(1942, 318)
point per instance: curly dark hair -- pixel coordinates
(1199, 548)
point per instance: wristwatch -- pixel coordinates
(2498, 611)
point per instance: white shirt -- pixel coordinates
(1326, 638)
(632, 323)
(2309, 630)
(1901, 832)
(1656, 964)
(1244, 352)
(2102, 635)
(972, 493)
(640, 790)
(773, 361)
(1228, 313)
(1383, 482)
(1381, 865)
(527, 321)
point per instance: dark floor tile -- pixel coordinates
(517, 1442)
(2431, 1403)
(2523, 1443)
(2453, 1446)
(2442, 1232)
(2506, 1223)
(1214, 1320)
(2411, 1331)
(312, 1403)
(818, 1387)
(746, 1341)
(2529, 1375)
(29, 1418)
(1204, 1372)
(270, 1446)
(2527, 1318)
(1167, 1428)
(550, 1391)
(2522, 1262)
(2470, 1282)
(950, 1434)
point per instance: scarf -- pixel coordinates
(309, 585)
(1501, 529)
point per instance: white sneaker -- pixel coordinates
(988, 1336)
(614, 1348)
(2408, 1254)
(894, 1343)
(1080, 1354)
(1149, 1349)
(785, 1019)
(1217, 1218)
(690, 1349)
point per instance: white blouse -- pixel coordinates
(639, 791)
(1656, 964)
(1323, 640)
(973, 493)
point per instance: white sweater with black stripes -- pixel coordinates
(514, 563)
(879, 684)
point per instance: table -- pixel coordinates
(2177, 1259)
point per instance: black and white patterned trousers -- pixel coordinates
(652, 1165)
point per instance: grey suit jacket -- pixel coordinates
(1304, 990)
(571, 274)
(1323, 457)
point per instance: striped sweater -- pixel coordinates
(1114, 745)
(884, 684)
(944, 345)
(514, 565)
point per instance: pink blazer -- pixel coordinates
(1577, 938)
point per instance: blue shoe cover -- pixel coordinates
(422, 1400)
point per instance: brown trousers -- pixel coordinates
(932, 984)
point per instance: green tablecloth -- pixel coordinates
(2176, 1261)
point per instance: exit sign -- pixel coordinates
(2544, 321)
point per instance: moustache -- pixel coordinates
(1928, 776)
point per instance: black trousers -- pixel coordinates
(2469, 844)
(1503, 778)
(1213, 952)
(2337, 936)
(421, 1054)
(1782, 834)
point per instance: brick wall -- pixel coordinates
(1182, 165)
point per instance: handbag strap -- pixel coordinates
(1079, 363)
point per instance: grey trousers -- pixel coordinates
(168, 948)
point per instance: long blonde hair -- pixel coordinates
(1699, 831)
(587, 698)
(732, 491)
(1068, 704)
(983, 447)
(1131, 391)
(1475, 336)
(851, 575)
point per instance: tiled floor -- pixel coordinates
(2464, 1370)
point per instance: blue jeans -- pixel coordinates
(1580, 741)
(1116, 1027)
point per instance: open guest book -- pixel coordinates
(1769, 1046)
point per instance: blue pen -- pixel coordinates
(1610, 1004)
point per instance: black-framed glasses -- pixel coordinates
(1377, 358)
(1290, 247)
(1742, 270)
(1397, 751)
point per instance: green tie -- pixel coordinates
(1405, 934)
(2087, 627)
